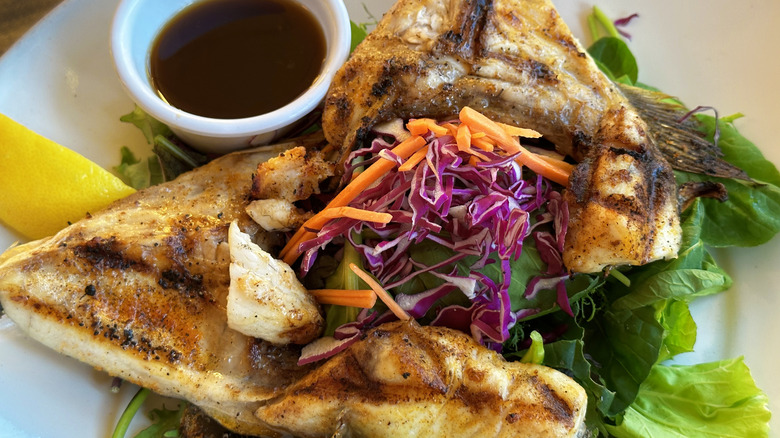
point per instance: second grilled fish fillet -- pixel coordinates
(403, 380)
(517, 62)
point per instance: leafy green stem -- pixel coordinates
(174, 150)
(600, 17)
(130, 411)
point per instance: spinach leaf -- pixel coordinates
(359, 33)
(626, 343)
(751, 216)
(569, 355)
(613, 56)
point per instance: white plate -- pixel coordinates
(59, 81)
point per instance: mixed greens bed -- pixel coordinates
(500, 277)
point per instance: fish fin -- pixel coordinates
(679, 138)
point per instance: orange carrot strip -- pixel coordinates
(463, 138)
(473, 160)
(414, 160)
(479, 122)
(516, 131)
(404, 149)
(478, 135)
(422, 126)
(451, 128)
(567, 167)
(363, 298)
(320, 219)
(381, 293)
(541, 151)
(483, 143)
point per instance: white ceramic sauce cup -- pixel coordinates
(134, 29)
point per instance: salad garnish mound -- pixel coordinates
(459, 209)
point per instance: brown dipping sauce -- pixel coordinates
(230, 59)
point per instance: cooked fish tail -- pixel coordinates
(679, 137)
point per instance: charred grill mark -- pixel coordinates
(535, 70)
(476, 401)
(463, 39)
(380, 88)
(191, 285)
(554, 404)
(539, 71)
(105, 254)
(625, 204)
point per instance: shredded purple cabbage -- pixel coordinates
(623, 22)
(482, 213)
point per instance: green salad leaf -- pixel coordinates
(756, 203)
(717, 399)
(136, 173)
(171, 157)
(165, 422)
(615, 59)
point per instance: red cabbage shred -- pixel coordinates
(482, 212)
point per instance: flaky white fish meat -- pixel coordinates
(517, 62)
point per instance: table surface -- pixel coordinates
(17, 16)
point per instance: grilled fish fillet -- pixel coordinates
(517, 62)
(403, 380)
(139, 290)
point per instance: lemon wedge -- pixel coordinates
(44, 186)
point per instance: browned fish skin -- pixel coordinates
(404, 380)
(516, 61)
(139, 290)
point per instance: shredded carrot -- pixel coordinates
(483, 143)
(422, 126)
(479, 122)
(320, 219)
(288, 254)
(451, 128)
(478, 135)
(403, 150)
(473, 160)
(566, 167)
(414, 160)
(381, 293)
(516, 131)
(463, 138)
(363, 298)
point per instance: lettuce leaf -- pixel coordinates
(136, 173)
(717, 399)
